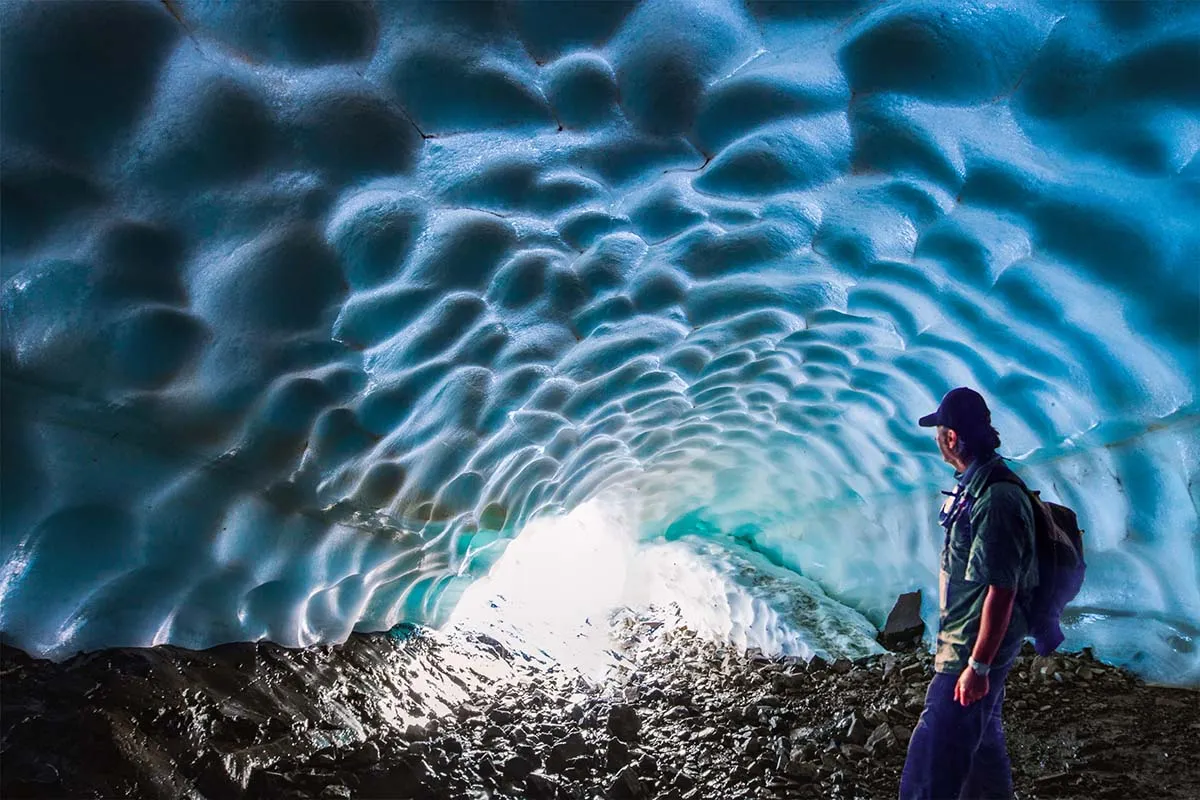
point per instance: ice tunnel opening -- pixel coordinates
(564, 582)
(555, 586)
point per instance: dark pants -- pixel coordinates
(958, 752)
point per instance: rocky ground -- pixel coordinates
(678, 718)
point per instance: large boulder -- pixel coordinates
(904, 627)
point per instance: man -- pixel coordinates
(988, 572)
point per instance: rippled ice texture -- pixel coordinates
(309, 307)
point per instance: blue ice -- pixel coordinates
(310, 309)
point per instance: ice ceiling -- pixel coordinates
(308, 308)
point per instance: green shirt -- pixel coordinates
(989, 543)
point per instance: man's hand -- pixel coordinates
(993, 623)
(971, 687)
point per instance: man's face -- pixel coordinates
(946, 440)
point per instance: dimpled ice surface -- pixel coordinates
(309, 308)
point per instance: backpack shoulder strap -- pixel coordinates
(1001, 473)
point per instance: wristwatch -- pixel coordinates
(980, 669)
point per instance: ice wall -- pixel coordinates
(308, 307)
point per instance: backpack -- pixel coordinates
(1059, 544)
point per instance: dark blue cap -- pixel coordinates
(962, 409)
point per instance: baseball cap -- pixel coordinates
(962, 409)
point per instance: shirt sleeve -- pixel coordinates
(1001, 522)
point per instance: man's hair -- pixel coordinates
(975, 443)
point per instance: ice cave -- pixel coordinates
(329, 317)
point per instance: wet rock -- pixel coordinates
(541, 786)
(324, 758)
(364, 755)
(626, 786)
(616, 755)
(266, 782)
(566, 749)
(335, 792)
(757, 657)
(882, 740)
(500, 716)
(467, 711)
(516, 767)
(854, 752)
(683, 781)
(395, 779)
(800, 769)
(623, 722)
(904, 627)
(841, 666)
(788, 682)
(855, 730)
(1045, 667)
(579, 768)
(741, 733)
(753, 746)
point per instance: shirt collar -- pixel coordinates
(965, 478)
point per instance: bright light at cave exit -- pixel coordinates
(557, 583)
